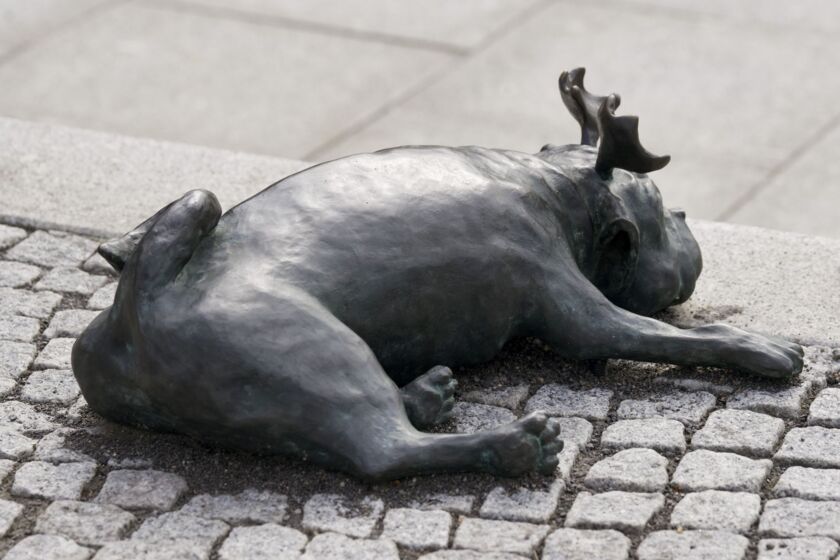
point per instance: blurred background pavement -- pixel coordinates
(743, 95)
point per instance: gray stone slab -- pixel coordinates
(284, 110)
(814, 446)
(249, 506)
(454, 503)
(785, 402)
(15, 445)
(740, 431)
(417, 529)
(462, 24)
(104, 297)
(69, 323)
(66, 481)
(792, 517)
(84, 522)
(735, 512)
(202, 534)
(19, 329)
(584, 544)
(686, 407)
(9, 513)
(71, 280)
(692, 384)
(473, 417)
(331, 512)
(575, 431)
(499, 536)
(825, 410)
(809, 484)
(508, 397)
(662, 434)
(803, 548)
(17, 274)
(566, 462)
(7, 385)
(52, 448)
(628, 512)
(562, 400)
(54, 547)
(56, 354)
(263, 542)
(142, 489)
(23, 417)
(710, 470)
(144, 550)
(52, 249)
(469, 555)
(15, 358)
(333, 546)
(522, 504)
(10, 235)
(6, 468)
(632, 470)
(33, 20)
(53, 386)
(693, 545)
(19, 302)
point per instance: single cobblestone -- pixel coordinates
(24, 418)
(577, 431)
(331, 512)
(812, 447)
(47, 547)
(52, 249)
(53, 386)
(250, 506)
(15, 358)
(104, 297)
(69, 323)
(96, 264)
(820, 362)
(6, 468)
(809, 484)
(686, 407)
(735, 512)
(507, 397)
(522, 504)
(561, 400)
(142, 489)
(711, 470)
(7, 385)
(263, 542)
(416, 529)
(792, 517)
(499, 536)
(51, 448)
(469, 555)
(688, 384)
(462, 504)
(16, 274)
(10, 235)
(802, 548)
(661, 434)
(66, 481)
(202, 534)
(19, 329)
(14, 445)
(628, 512)
(143, 550)
(632, 470)
(693, 545)
(56, 354)
(9, 513)
(472, 417)
(786, 402)
(740, 431)
(825, 410)
(586, 544)
(78, 408)
(333, 546)
(30, 304)
(84, 522)
(70, 280)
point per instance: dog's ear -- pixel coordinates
(617, 253)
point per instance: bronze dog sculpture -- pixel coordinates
(311, 319)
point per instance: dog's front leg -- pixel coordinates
(579, 322)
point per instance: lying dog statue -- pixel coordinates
(312, 318)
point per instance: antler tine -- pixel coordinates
(583, 105)
(620, 146)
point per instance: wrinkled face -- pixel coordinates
(669, 260)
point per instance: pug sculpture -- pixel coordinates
(316, 319)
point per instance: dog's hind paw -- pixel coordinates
(529, 444)
(429, 398)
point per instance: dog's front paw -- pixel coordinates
(755, 353)
(429, 398)
(529, 444)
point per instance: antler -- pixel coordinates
(619, 136)
(583, 105)
(620, 146)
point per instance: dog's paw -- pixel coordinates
(529, 444)
(755, 353)
(429, 398)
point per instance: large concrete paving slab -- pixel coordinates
(23, 21)
(103, 183)
(804, 196)
(724, 98)
(461, 24)
(145, 70)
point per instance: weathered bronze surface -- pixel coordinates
(315, 318)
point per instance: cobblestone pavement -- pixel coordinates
(659, 462)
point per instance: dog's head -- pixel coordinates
(643, 256)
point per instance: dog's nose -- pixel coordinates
(678, 212)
